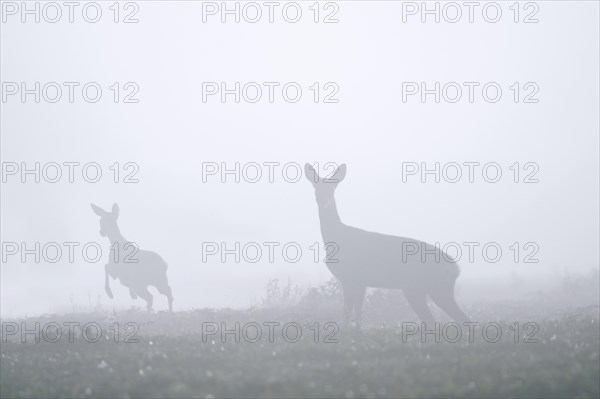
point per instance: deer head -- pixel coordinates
(325, 187)
(108, 220)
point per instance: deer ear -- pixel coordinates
(115, 210)
(311, 174)
(98, 211)
(339, 174)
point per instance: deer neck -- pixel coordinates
(115, 236)
(329, 219)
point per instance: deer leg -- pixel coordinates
(170, 298)
(446, 301)
(418, 302)
(146, 296)
(132, 293)
(353, 300)
(359, 299)
(106, 283)
(347, 305)
(164, 289)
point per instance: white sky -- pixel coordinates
(369, 53)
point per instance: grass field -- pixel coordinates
(174, 357)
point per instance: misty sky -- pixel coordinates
(170, 132)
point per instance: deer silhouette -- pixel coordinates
(361, 259)
(136, 269)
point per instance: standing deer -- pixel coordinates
(136, 269)
(361, 259)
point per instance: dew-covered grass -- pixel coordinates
(555, 356)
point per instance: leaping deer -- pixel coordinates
(136, 269)
(361, 259)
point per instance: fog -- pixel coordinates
(171, 134)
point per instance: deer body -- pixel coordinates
(361, 259)
(135, 269)
(383, 255)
